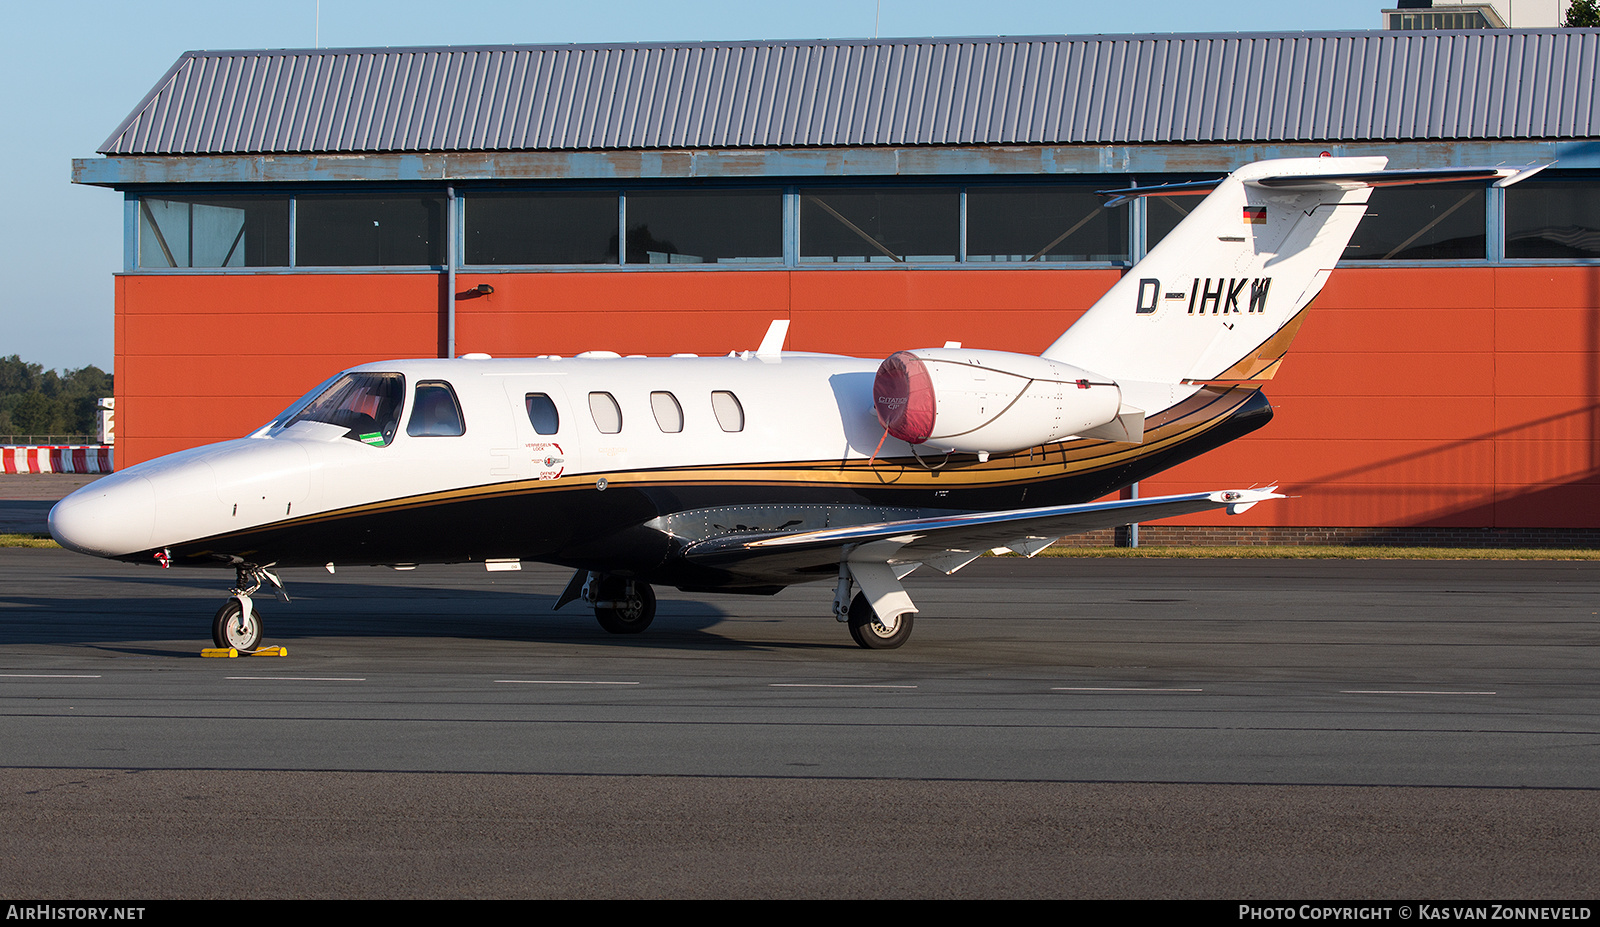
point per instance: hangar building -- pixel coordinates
(290, 213)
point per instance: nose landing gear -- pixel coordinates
(237, 624)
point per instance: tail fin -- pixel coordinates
(1220, 298)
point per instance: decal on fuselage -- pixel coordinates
(549, 460)
(1207, 295)
(1224, 299)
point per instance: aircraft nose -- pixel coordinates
(106, 520)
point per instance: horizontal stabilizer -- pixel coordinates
(1502, 177)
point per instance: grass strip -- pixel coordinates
(27, 540)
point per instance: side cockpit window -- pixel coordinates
(435, 413)
(368, 404)
(542, 414)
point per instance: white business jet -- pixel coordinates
(762, 469)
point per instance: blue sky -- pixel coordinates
(74, 70)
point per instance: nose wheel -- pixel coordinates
(236, 627)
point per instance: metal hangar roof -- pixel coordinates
(1051, 90)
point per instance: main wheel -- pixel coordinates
(873, 632)
(633, 613)
(230, 629)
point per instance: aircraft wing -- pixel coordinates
(947, 542)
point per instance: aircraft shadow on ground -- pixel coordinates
(127, 623)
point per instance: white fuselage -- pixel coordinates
(791, 407)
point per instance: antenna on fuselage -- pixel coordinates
(772, 341)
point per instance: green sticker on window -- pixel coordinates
(372, 438)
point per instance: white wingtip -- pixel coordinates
(1240, 501)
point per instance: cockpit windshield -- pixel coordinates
(366, 403)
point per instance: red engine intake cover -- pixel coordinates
(903, 396)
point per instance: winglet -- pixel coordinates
(1240, 501)
(772, 341)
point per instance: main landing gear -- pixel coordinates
(237, 623)
(876, 633)
(621, 605)
(880, 615)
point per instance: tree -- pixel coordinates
(1582, 14)
(34, 414)
(35, 401)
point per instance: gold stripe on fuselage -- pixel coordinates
(1181, 423)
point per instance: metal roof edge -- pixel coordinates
(138, 110)
(758, 165)
(883, 40)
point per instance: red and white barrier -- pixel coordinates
(77, 458)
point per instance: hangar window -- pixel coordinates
(1430, 222)
(730, 414)
(369, 231)
(704, 227)
(1162, 215)
(435, 412)
(669, 415)
(1043, 223)
(541, 228)
(368, 404)
(1553, 219)
(607, 414)
(542, 414)
(860, 225)
(235, 231)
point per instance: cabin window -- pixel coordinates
(368, 404)
(542, 414)
(607, 414)
(435, 413)
(730, 414)
(669, 415)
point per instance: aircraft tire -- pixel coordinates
(870, 632)
(226, 632)
(628, 619)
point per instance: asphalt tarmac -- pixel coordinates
(26, 498)
(1055, 728)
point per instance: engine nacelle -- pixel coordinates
(988, 402)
